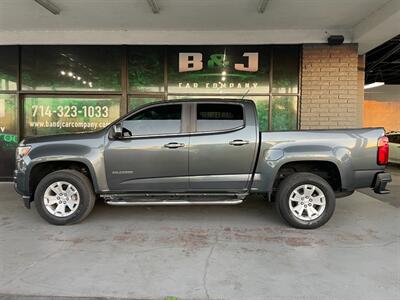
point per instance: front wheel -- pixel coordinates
(305, 200)
(64, 197)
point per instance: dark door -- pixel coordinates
(153, 155)
(223, 147)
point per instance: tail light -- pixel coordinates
(383, 150)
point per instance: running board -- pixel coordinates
(174, 202)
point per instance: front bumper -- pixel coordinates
(381, 180)
(21, 188)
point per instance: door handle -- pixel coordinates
(238, 142)
(174, 145)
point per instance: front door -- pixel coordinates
(153, 154)
(223, 147)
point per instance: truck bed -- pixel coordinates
(353, 151)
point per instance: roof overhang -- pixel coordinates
(366, 22)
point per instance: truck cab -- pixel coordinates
(184, 147)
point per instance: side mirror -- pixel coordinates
(117, 128)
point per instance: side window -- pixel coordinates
(163, 119)
(213, 117)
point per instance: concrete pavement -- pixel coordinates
(227, 252)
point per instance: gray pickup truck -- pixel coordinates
(199, 152)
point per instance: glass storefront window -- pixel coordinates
(146, 69)
(285, 73)
(53, 115)
(218, 69)
(8, 133)
(262, 105)
(135, 102)
(8, 68)
(76, 88)
(71, 68)
(284, 113)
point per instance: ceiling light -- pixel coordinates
(84, 82)
(70, 74)
(223, 73)
(262, 5)
(79, 78)
(51, 7)
(62, 73)
(373, 85)
(223, 78)
(154, 6)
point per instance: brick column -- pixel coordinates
(330, 87)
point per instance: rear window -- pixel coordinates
(215, 117)
(394, 138)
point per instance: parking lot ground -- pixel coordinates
(208, 252)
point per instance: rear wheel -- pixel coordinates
(64, 197)
(305, 200)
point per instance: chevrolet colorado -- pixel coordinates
(199, 152)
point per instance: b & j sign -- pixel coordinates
(189, 62)
(216, 69)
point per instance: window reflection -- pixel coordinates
(8, 133)
(165, 119)
(146, 69)
(284, 113)
(71, 68)
(135, 102)
(8, 68)
(285, 70)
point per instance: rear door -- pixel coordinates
(222, 146)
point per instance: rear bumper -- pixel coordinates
(381, 180)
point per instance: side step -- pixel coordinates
(174, 199)
(173, 202)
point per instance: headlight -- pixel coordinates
(22, 151)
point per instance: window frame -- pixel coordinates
(194, 117)
(185, 121)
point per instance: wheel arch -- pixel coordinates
(326, 169)
(42, 168)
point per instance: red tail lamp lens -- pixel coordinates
(383, 150)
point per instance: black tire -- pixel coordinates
(82, 185)
(289, 184)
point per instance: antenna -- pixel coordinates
(245, 94)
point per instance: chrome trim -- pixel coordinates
(166, 194)
(192, 113)
(168, 202)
